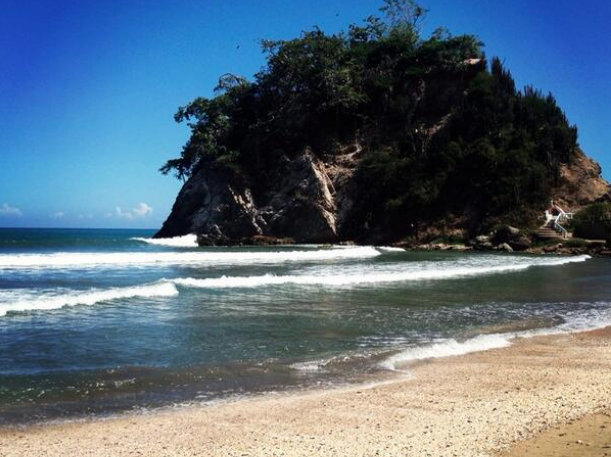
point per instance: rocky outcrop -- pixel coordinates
(581, 182)
(310, 198)
(307, 203)
(511, 237)
(302, 206)
(217, 206)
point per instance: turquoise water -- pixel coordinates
(100, 321)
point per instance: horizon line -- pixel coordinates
(77, 228)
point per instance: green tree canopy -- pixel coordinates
(441, 128)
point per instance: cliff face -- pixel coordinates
(214, 204)
(307, 200)
(310, 199)
(581, 182)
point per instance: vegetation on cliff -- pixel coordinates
(442, 130)
(593, 221)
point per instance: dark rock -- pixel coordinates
(552, 248)
(302, 206)
(305, 204)
(513, 237)
(215, 204)
(260, 240)
(520, 243)
(482, 243)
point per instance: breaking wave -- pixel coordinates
(448, 348)
(390, 249)
(76, 260)
(51, 301)
(574, 323)
(336, 275)
(372, 277)
(186, 241)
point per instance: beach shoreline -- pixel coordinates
(478, 404)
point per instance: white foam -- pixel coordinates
(52, 301)
(370, 277)
(186, 241)
(389, 249)
(448, 348)
(76, 260)
(311, 366)
(574, 323)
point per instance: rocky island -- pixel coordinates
(375, 135)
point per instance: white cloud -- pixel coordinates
(7, 210)
(57, 215)
(140, 211)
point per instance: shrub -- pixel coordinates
(593, 221)
(575, 243)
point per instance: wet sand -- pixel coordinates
(481, 404)
(586, 437)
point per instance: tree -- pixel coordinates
(404, 15)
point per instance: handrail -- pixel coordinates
(560, 229)
(556, 223)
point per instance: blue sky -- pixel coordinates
(88, 89)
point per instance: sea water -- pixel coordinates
(95, 322)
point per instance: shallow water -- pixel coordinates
(98, 321)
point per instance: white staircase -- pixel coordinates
(553, 228)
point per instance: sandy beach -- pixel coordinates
(481, 404)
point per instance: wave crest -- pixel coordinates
(77, 260)
(448, 348)
(328, 276)
(234, 282)
(390, 249)
(90, 297)
(185, 241)
(574, 322)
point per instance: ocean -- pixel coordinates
(99, 322)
